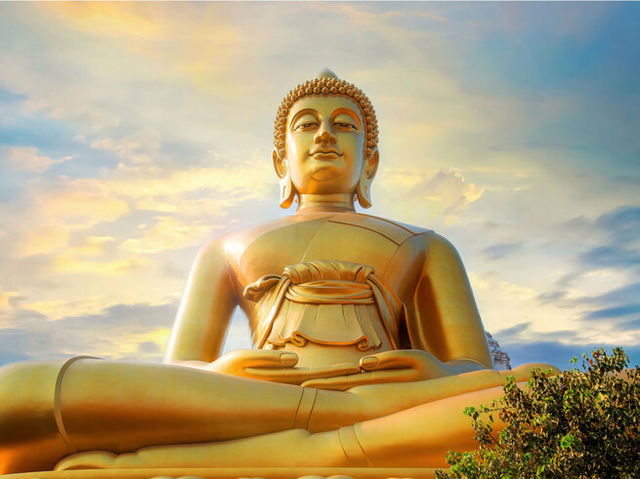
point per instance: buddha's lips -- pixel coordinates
(326, 154)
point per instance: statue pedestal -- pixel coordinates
(234, 473)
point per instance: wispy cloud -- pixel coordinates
(113, 333)
(26, 158)
(500, 250)
(614, 312)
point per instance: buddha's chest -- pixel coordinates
(322, 240)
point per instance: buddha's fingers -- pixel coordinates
(300, 375)
(343, 383)
(397, 358)
(237, 363)
(425, 364)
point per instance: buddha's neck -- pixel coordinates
(319, 203)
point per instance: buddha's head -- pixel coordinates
(326, 137)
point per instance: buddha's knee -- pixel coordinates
(27, 393)
(28, 416)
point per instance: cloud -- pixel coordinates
(625, 294)
(514, 332)
(514, 307)
(122, 331)
(552, 296)
(610, 256)
(26, 158)
(529, 331)
(64, 207)
(634, 324)
(67, 216)
(94, 245)
(604, 281)
(366, 16)
(613, 312)
(167, 233)
(500, 250)
(9, 299)
(70, 263)
(10, 308)
(447, 193)
(131, 22)
(116, 332)
(143, 147)
(622, 227)
(450, 189)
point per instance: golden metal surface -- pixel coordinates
(370, 342)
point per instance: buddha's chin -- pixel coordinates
(325, 173)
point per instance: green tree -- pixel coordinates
(580, 423)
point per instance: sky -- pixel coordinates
(133, 133)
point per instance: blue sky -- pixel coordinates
(130, 133)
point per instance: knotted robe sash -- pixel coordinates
(324, 302)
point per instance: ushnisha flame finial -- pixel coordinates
(327, 73)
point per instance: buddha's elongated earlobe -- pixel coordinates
(287, 190)
(363, 192)
(363, 188)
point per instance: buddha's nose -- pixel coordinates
(326, 138)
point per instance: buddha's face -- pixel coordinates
(325, 141)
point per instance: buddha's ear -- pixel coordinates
(363, 188)
(287, 191)
(279, 164)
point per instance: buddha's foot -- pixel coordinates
(269, 450)
(87, 460)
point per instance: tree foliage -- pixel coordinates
(580, 423)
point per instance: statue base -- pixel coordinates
(234, 473)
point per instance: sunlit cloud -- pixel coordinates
(363, 16)
(69, 206)
(443, 195)
(26, 158)
(72, 263)
(130, 21)
(132, 149)
(166, 234)
(54, 310)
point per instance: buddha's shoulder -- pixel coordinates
(416, 237)
(235, 242)
(306, 225)
(393, 230)
(283, 225)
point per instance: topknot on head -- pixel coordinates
(327, 73)
(326, 83)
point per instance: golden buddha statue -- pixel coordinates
(368, 341)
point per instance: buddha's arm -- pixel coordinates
(202, 321)
(204, 313)
(445, 319)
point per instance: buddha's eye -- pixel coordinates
(305, 126)
(345, 125)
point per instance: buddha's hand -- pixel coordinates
(401, 365)
(276, 366)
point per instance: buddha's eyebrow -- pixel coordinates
(349, 112)
(302, 112)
